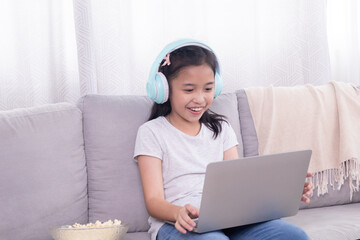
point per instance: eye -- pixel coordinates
(208, 89)
(188, 90)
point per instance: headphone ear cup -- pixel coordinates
(162, 88)
(218, 84)
(151, 89)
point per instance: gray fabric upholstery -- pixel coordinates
(114, 186)
(356, 197)
(44, 176)
(226, 104)
(248, 132)
(330, 223)
(137, 236)
(42, 171)
(110, 128)
(333, 197)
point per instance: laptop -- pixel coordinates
(252, 189)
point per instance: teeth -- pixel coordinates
(196, 109)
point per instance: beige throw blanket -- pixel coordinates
(323, 118)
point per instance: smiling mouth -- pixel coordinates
(196, 109)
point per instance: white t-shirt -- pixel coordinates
(184, 159)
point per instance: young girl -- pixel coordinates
(181, 137)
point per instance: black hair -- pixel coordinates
(180, 58)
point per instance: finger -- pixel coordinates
(305, 199)
(193, 213)
(197, 212)
(309, 174)
(305, 190)
(307, 187)
(310, 192)
(180, 228)
(191, 209)
(184, 222)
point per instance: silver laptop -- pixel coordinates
(251, 190)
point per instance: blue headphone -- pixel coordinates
(157, 87)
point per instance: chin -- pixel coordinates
(194, 118)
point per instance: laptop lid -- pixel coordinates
(253, 189)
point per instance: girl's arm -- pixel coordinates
(156, 205)
(231, 153)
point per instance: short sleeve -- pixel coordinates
(229, 136)
(147, 143)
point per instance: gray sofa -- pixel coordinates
(61, 164)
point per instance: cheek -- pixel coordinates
(210, 99)
(177, 98)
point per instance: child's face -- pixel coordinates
(191, 93)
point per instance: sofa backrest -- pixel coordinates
(43, 181)
(110, 129)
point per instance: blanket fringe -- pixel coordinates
(336, 178)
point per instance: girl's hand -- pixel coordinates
(308, 190)
(184, 218)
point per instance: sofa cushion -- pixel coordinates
(330, 223)
(42, 171)
(114, 186)
(248, 132)
(226, 104)
(137, 236)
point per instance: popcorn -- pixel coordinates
(108, 230)
(97, 224)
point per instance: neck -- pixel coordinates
(189, 128)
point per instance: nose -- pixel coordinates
(199, 97)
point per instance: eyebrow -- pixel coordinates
(191, 84)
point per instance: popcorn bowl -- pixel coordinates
(115, 232)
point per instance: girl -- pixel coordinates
(181, 137)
